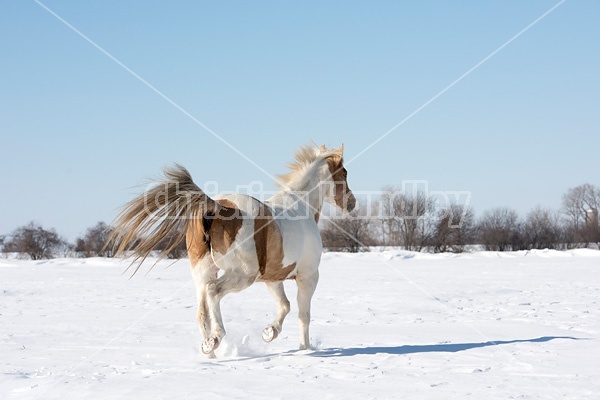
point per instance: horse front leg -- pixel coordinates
(271, 332)
(306, 289)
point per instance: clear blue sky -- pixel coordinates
(78, 131)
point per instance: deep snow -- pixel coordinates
(386, 325)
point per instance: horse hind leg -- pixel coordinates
(271, 332)
(203, 271)
(229, 282)
(204, 321)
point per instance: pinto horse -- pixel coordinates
(235, 240)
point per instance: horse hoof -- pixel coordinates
(209, 345)
(269, 334)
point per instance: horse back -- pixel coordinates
(263, 238)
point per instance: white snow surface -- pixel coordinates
(391, 324)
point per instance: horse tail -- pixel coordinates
(163, 214)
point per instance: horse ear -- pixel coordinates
(322, 148)
(341, 150)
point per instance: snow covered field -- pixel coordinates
(386, 325)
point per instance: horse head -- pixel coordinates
(341, 194)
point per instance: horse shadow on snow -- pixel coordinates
(428, 348)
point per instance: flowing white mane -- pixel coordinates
(308, 161)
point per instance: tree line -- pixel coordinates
(36, 242)
(415, 222)
(412, 221)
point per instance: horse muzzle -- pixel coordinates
(350, 202)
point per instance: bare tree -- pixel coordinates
(2, 239)
(92, 244)
(499, 230)
(177, 252)
(542, 229)
(580, 206)
(350, 233)
(454, 229)
(34, 241)
(409, 218)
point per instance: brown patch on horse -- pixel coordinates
(276, 276)
(215, 228)
(197, 243)
(339, 175)
(226, 203)
(269, 247)
(224, 226)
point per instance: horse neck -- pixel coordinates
(310, 189)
